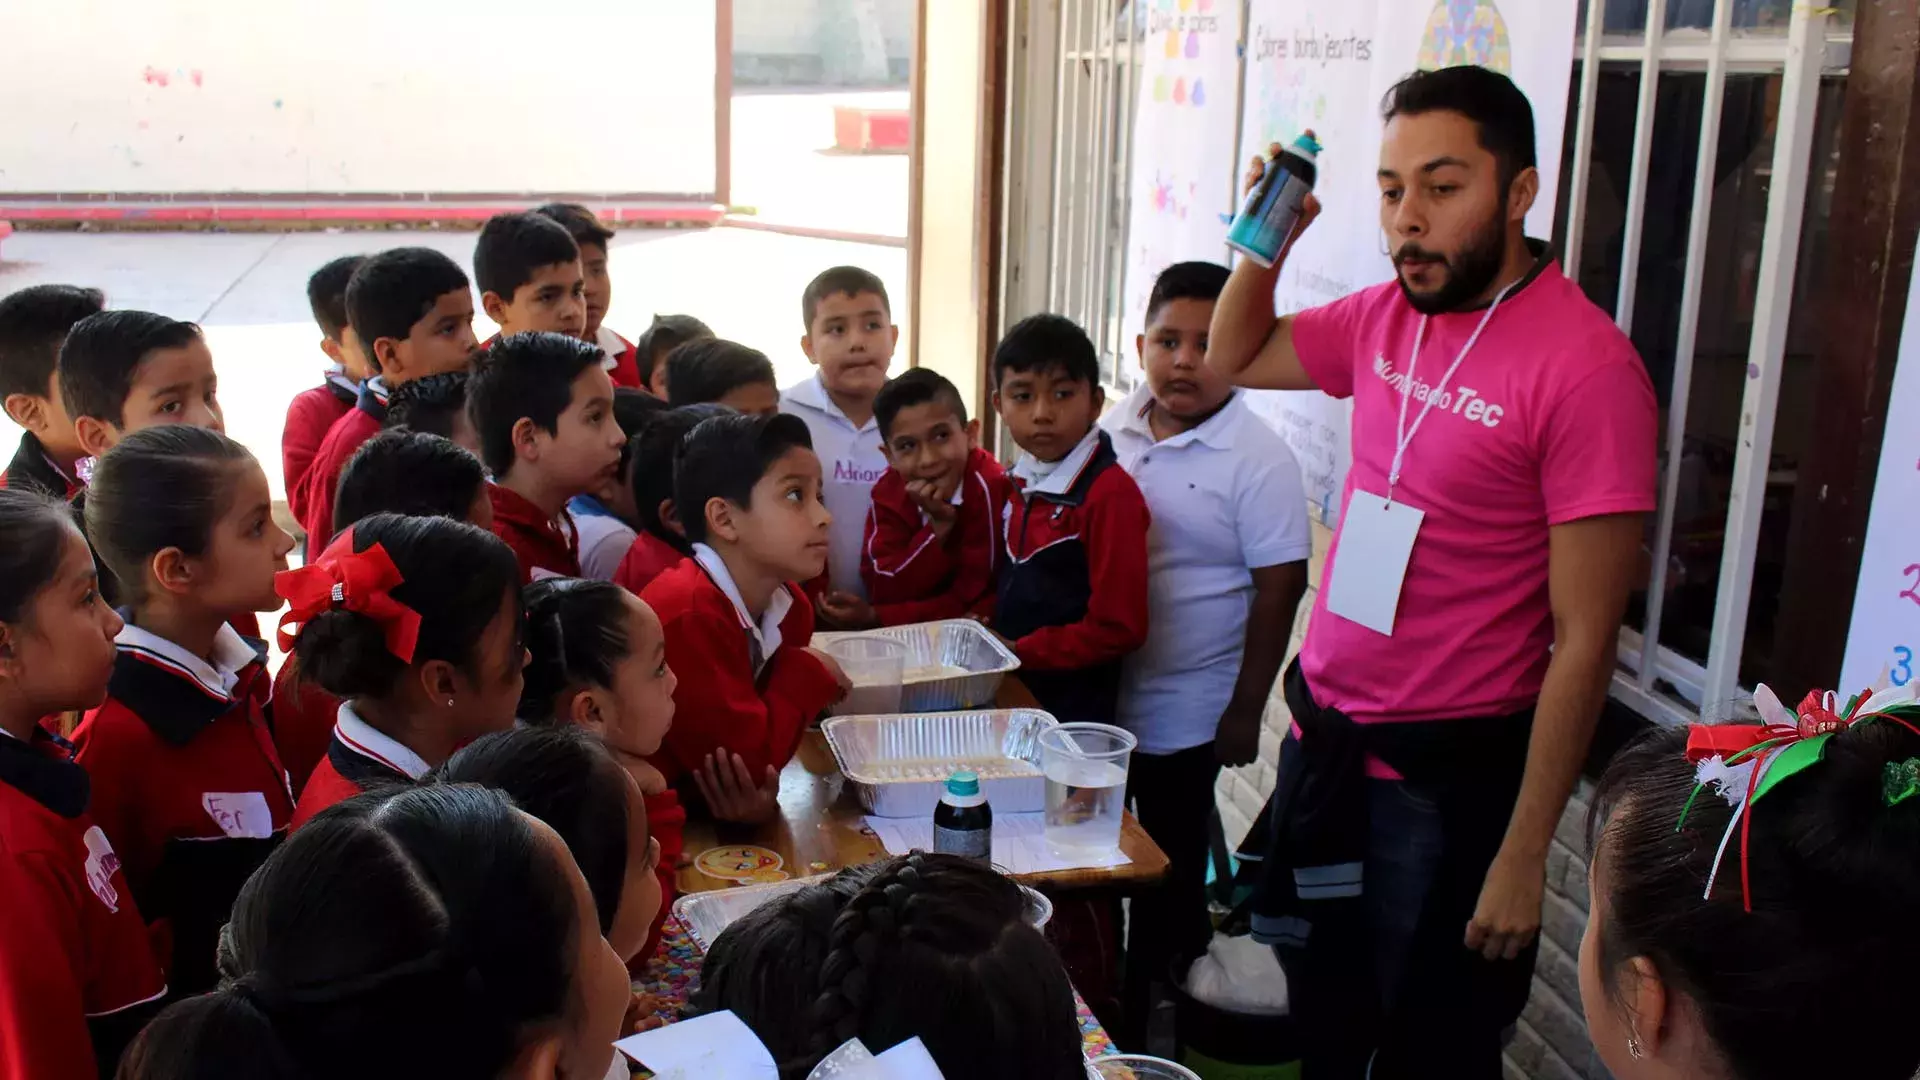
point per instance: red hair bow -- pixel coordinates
(347, 580)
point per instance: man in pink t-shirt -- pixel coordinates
(1504, 453)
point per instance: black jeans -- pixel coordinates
(1438, 1009)
(1172, 795)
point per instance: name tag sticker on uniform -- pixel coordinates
(242, 815)
(1376, 544)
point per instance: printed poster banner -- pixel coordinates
(1327, 66)
(1183, 161)
(1886, 603)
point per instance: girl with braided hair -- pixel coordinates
(934, 946)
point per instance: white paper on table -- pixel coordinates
(1019, 843)
(705, 1047)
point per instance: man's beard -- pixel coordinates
(1469, 273)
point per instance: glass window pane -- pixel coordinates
(1755, 16)
(1597, 266)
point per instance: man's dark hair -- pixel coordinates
(837, 281)
(1497, 107)
(513, 246)
(428, 404)
(33, 323)
(1186, 281)
(662, 336)
(708, 369)
(327, 293)
(395, 289)
(724, 458)
(579, 223)
(103, 353)
(407, 472)
(527, 376)
(1047, 342)
(916, 386)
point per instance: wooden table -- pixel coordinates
(820, 823)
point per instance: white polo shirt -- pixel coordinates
(1226, 497)
(850, 462)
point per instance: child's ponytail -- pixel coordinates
(161, 487)
(576, 636)
(451, 575)
(1784, 918)
(225, 1034)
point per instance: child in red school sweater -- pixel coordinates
(311, 413)
(414, 624)
(412, 312)
(747, 490)
(543, 408)
(591, 237)
(1073, 590)
(932, 537)
(186, 778)
(77, 974)
(599, 662)
(659, 544)
(528, 270)
(33, 325)
(396, 472)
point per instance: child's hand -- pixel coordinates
(998, 636)
(833, 668)
(731, 794)
(1236, 741)
(847, 610)
(938, 506)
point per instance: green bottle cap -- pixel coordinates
(965, 782)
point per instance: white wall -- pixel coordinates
(357, 96)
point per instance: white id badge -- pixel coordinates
(1376, 543)
(242, 815)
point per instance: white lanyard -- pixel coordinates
(1403, 437)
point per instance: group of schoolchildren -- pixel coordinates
(585, 573)
(557, 593)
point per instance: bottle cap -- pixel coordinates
(965, 782)
(1306, 146)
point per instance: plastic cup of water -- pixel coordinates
(876, 666)
(1086, 770)
(1137, 1067)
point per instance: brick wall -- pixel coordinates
(1550, 1042)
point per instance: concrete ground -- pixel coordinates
(249, 292)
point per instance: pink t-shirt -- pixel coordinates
(1551, 418)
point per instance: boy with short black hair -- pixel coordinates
(932, 535)
(122, 371)
(412, 311)
(665, 334)
(312, 413)
(528, 271)
(34, 323)
(542, 405)
(592, 238)
(850, 338)
(722, 371)
(1227, 566)
(1073, 592)
(747, 489)
(437, 405)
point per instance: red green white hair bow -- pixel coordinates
(1743, 762)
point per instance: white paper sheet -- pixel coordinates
(1019, 843)
(703, 1048)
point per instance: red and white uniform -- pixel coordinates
(77, 975)
(913, 575)
(188, 784)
